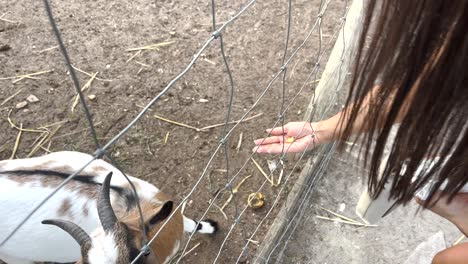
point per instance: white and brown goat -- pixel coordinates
(25, 182)
(114, 242)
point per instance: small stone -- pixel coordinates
(92, 97)
(342, 207)
(32, 98)
(5, 48)
(21, 105)
(108, 66)
(172, 33)
(202, 100)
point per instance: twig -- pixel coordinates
(254, 242)
(45, 149)
(232, 122)
(166, 138)
(140, 70)
(203, 129)
(24, 76)
(280, 178)
(459, 240)
(133, 56)
(90, 75)
(39, 141)
(211, 62)
(240, 142)
(18, 138)
(53, 124)
(142, 64)
(176, 123)
(340, 216)
(75, 132)
(153, 46)
(85, 87)
(192, 249)
(262, 171)
(39, 137)
(234, 191)
(314, 81)
(222, 211)
(44, 140)
(11, 97)
(21, 129)
(48, 49)
(6, 20)
(344, 221)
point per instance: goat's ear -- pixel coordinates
(160, 215)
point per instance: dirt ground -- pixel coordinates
(98, 35)
(393, 241)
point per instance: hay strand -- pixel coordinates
(17, 141)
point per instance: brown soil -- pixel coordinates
(98, 34)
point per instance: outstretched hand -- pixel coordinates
(292, 138)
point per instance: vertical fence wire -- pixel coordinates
(318, 170)
(217, 149)
(226, 133)
(101, 151)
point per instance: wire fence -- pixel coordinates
(231, 173)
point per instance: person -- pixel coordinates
(412, 71)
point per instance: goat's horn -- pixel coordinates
(105, 211)
(71, 228)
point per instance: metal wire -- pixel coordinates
(224, 139)
(316, 66)
(277, 121)
(226, 133)
(262, 94)
(318, 170)
(76, 83)
(101, 151)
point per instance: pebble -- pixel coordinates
(21, 105)
(342, 207)
(202, 100)
(92, 97)
(5, 47)
(32, 98)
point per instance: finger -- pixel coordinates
(278, 148)
(271, 140)
(277, 131)
(268, 140)
(271, 148)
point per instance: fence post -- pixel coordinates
(331, 81)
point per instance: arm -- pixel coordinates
(299, 136)
(453, 255)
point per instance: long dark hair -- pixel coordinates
(417, 53)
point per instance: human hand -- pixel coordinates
(292, 138)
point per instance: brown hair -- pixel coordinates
(417, 52)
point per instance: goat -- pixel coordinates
(114, 242)
(24, 182)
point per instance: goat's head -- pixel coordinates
(115, 243)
